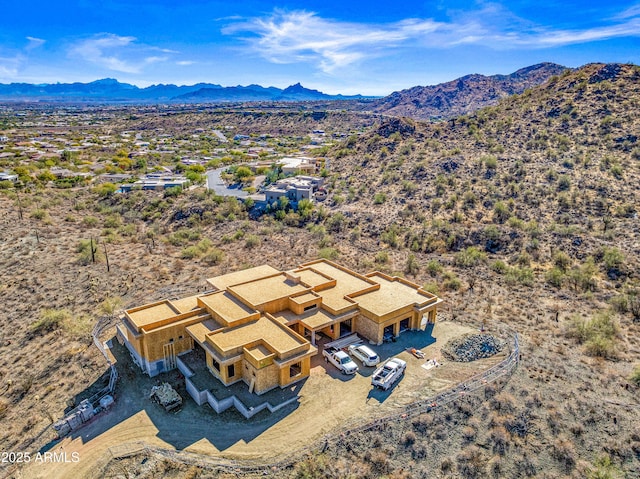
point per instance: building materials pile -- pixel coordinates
(166, 396)
(471, 347)
(83, 413)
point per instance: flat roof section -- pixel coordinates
(199, 331)
(265, 290)
(311, 278)
(184, 305)
(263, 329)
(228, 308)
(305, 298)
(237, 277)
(313, 320)
(347, 282)
(391, 296)
(260, 352)
(152, 313)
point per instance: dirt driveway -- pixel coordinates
(328, 400)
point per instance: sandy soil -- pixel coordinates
(328, 401)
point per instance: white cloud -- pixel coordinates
(633, 11)
(301, 36)
(34, 42)
(304, 36)
(185, 62)
(117, 53)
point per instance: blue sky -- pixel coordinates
(349, 46)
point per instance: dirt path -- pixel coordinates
(328, 400)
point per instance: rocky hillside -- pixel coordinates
(523, 214)
(464, 95)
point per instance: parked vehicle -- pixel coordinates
(364, 354)
(341, 360)
(387, 374)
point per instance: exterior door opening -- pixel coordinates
(345, 327)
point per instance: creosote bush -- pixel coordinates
(598, 334)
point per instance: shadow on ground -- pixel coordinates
(192, 423)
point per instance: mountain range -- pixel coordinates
(445, 100)
(111, 91)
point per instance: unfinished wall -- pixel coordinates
(368, 328)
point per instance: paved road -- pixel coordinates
(215, 183)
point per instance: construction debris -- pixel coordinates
(166, 396)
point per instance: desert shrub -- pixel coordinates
(562, 261)
(604, 468)
(382, 257)
(612, 259)
(490, 162)
(470, 257)
(204, 245)
(173, 192)
(89, 221)
(50, 319)
(336, 222)
(635, 376)
(328, 253)
(105, 189)
(412, 266)
(555, 277)
(598, 334)
(471, 463)
(390, 236)
(110, 305)
(522, 275)
(112, 221)
(39, 214)
(434, 267)
(501, 212)
(451, 282)
(499, 267)
(409, 438)
(56, 319)
(252, 241)
(183, 236)
(213, 256)
(190, 252)
(379, 198)
(582, 278)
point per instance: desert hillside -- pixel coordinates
(522, 214)
(463, 95)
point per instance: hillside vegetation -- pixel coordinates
(523, 214)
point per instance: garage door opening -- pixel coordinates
(404, 325)
(387, 334)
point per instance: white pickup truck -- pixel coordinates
(388, 373)
(341, 360)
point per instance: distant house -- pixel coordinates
(156, 182)
(3, 139)
(293, 165)
(294, 188)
